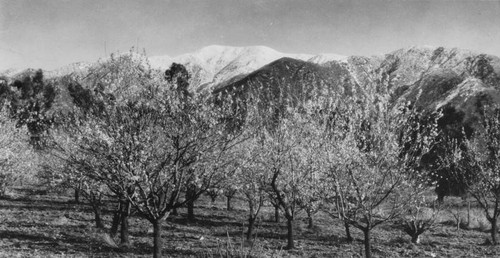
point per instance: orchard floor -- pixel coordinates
(53, 225)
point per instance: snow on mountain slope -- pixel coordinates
(215, 64)
(208, 66)
(10, 72)
(324, 58)
(161, 62)
(409, 64)
(467, 89)
(79, 68)
(250, 59)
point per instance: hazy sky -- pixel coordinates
(51, 33)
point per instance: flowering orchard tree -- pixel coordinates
(120, 78)
(372, 169)
(419, 138)
(334, 155)
(213, 193)
(71, 168)
(108, 85)
(481, 158)
(249, 178)
(286, 152)
(151, 147)
(93, 191)
(17, 158)
(420, 216)
(77, 165)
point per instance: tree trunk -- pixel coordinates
(348, 232)
(290, 244)
(368, 250)
(117, 217)
(494, 230)
(97, 216)
(157, 246)
(190, 210)
(310, 222)
(415, 238)
(468, 214)
(191, 198)
(251, 219)
(229, 208)
(124, 234)
(3, 188)
(276, 213)
(77, 195)
(212, 199)
(251, 223)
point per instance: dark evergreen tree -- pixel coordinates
(178, 75)
(30, 100)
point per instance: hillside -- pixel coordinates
(294, 78)
(208, 66)
(430, 77)
(216, 64)
(434, 78)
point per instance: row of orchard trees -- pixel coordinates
(146, 140)
(356, 158)
(475, 161)
(141, 139)
(23, 108)
(17, 158)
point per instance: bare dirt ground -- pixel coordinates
(52, 225)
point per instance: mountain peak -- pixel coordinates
(222, 48)
(214, 64)
(228, 53)
(326, 57)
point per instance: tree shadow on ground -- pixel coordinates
(41, 225)
(270, 235)
(9, 234)
(64, 243)
(206, 221)
(146, 248)
(328, 239)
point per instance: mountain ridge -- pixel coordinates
(208, 66)
(430, 77)
(214, 64)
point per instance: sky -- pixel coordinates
(51, 33)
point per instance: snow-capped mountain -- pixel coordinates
(249, 59)
(74, 68)
(430, 77)
(216, 64)
(209, 66)
(11, 72)
(325, 58)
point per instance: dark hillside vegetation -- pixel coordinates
(292, 79)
